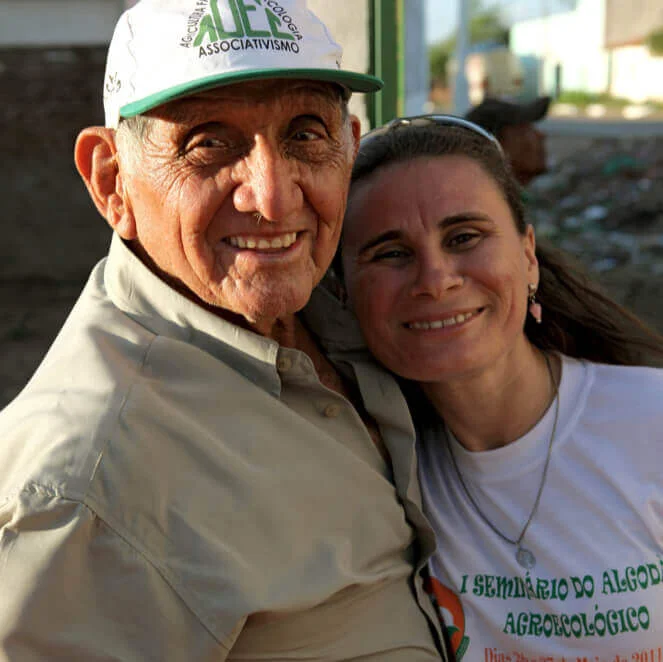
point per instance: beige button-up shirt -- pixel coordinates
(173, 487)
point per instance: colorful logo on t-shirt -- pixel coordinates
(451, 615)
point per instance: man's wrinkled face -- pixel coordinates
(238, 194)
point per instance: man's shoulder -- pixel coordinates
(53, 431)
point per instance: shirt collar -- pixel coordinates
(335, 326)
(156, 306)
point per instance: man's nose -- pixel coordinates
(269, 183)
(434, 277)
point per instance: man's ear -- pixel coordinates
(97, 162)
(356, 133)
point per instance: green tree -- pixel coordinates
(438, 58)
(485, 26)
(655, 42)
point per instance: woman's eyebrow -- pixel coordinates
(463, 217)
(385, 236)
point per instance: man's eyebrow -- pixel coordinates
(449, 221)
(181, 111)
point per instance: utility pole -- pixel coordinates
(461, 89)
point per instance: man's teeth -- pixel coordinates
(438, 324)
(261, 243)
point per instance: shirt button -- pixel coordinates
(332, 411)
(284, 364)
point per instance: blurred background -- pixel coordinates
(600, 61)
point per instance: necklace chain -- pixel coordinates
(517, 542)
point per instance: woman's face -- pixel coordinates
(435, 269)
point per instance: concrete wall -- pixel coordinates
(51, 230)
(636, 74)
(31, 23)
(629, 23)
(52, 60)
(576, 40)
(417, 77)
(348, 21)
(572, 40)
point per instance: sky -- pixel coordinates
(440, 19)
(442, 15)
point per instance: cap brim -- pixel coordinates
(352, 81)
(536, 110)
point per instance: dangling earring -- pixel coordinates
(534, 306)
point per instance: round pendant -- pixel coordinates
(525, 558)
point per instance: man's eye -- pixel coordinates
(210, 148)
(306, 135)
(306, 128)
(209, 142)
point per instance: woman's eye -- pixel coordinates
(462, 238)
(390, 254)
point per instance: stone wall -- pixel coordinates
(51, 230)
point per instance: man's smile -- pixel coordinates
(262, 243)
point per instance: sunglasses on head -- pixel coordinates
(427, 120)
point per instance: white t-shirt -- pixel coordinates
(596, 591)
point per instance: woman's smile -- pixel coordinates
(453, 320)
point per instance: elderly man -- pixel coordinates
(187, 476)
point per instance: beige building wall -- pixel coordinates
(629, 22)
(636, 74)
(46, 23)
(348, 21)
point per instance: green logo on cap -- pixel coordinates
(213, 29)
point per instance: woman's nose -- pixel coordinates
(435, 277)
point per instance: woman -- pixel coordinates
(539, 435)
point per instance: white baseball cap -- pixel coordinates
(165, 49)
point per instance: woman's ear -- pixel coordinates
(97, 162)
(530, 255)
